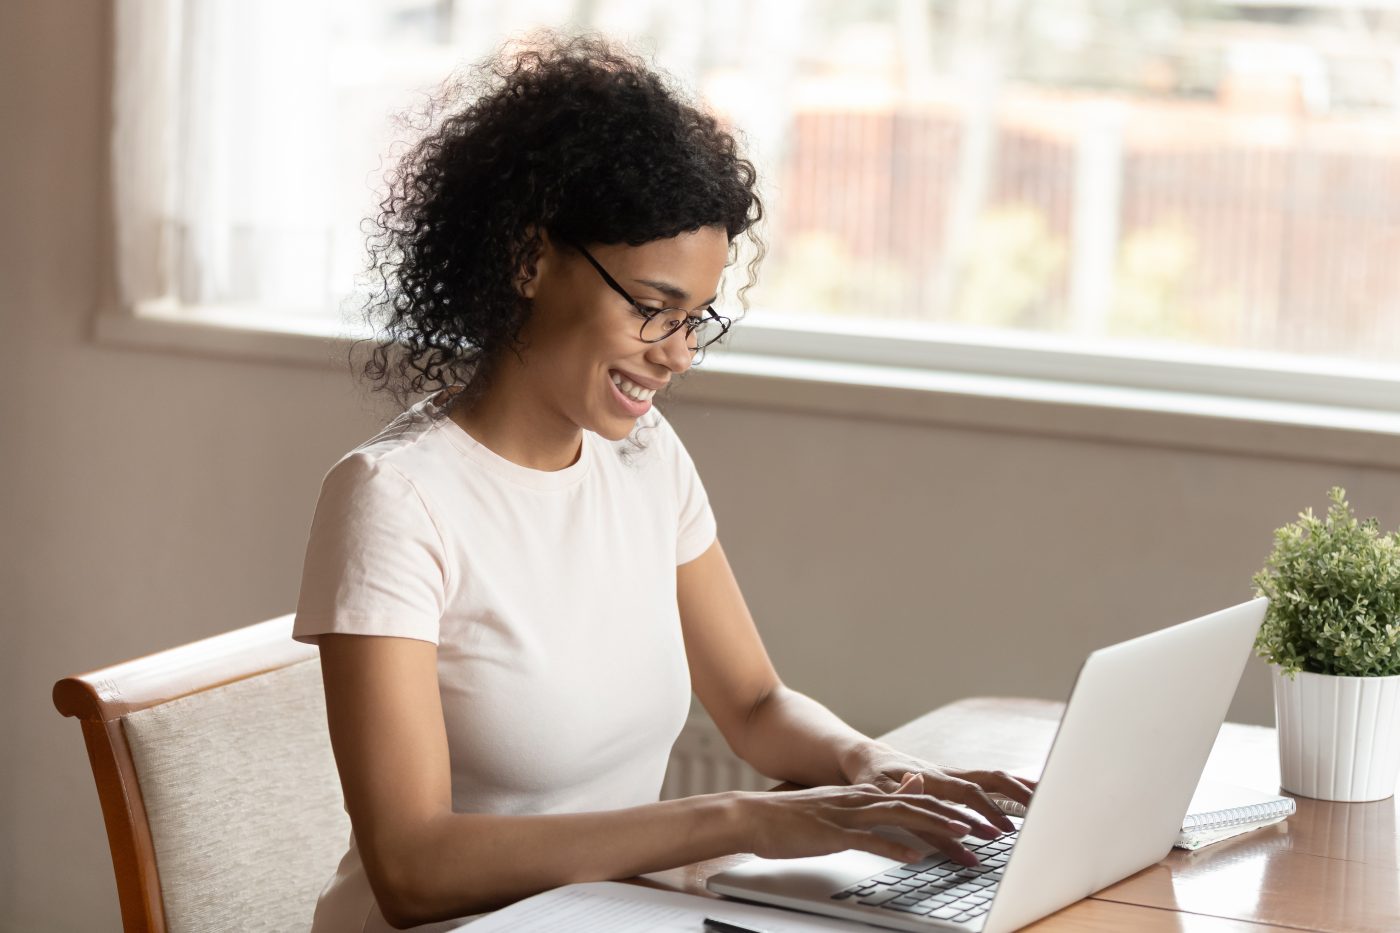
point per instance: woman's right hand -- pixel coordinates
(821, 820)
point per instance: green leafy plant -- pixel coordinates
(1334, 595)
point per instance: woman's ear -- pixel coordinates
(538, 258)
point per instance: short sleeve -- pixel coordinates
(696, 529)
(375, 561)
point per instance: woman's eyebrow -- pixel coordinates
(674, 292)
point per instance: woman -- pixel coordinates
(516, 585)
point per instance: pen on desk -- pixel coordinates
(723, 926)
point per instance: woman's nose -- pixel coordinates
(673, 352)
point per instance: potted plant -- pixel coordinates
(1332, 633)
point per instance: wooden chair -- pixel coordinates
(218, 788)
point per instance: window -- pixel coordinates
(1145, 193)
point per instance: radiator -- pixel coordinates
(701, 763)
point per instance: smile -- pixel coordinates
(631, 389)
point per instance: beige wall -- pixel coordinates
(152, 498)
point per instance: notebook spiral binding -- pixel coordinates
(1237, 816)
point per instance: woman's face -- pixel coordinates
(582, 334)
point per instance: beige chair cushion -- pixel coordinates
(244, 802)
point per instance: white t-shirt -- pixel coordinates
(551, 597)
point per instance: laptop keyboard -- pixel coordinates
(936, 886)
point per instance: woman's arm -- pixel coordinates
(786, 734)
(424, 862)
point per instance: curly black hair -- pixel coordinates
(572, 136)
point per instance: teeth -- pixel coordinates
(631, 389)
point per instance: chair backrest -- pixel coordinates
(217, 783)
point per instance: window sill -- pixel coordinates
(1053, 408)
(1171, 419)
(252, 336)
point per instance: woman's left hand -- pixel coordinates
(897, 773)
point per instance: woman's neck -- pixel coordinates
(516, 426)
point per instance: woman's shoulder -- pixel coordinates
(404, 450)
(653, 447)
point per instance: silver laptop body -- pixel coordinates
(1129, 751)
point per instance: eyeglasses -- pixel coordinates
(659, 323)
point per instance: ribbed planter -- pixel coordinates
(1338, 737)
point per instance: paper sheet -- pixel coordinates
(611, 907)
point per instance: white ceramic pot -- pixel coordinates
(1338, 737)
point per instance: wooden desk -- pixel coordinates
(1330, 866)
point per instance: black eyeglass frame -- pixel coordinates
(687, 322)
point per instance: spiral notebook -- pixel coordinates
(1220, 811)
(1217, 812)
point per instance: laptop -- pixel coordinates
(1127, 756)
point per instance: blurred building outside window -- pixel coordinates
(1147, 180)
